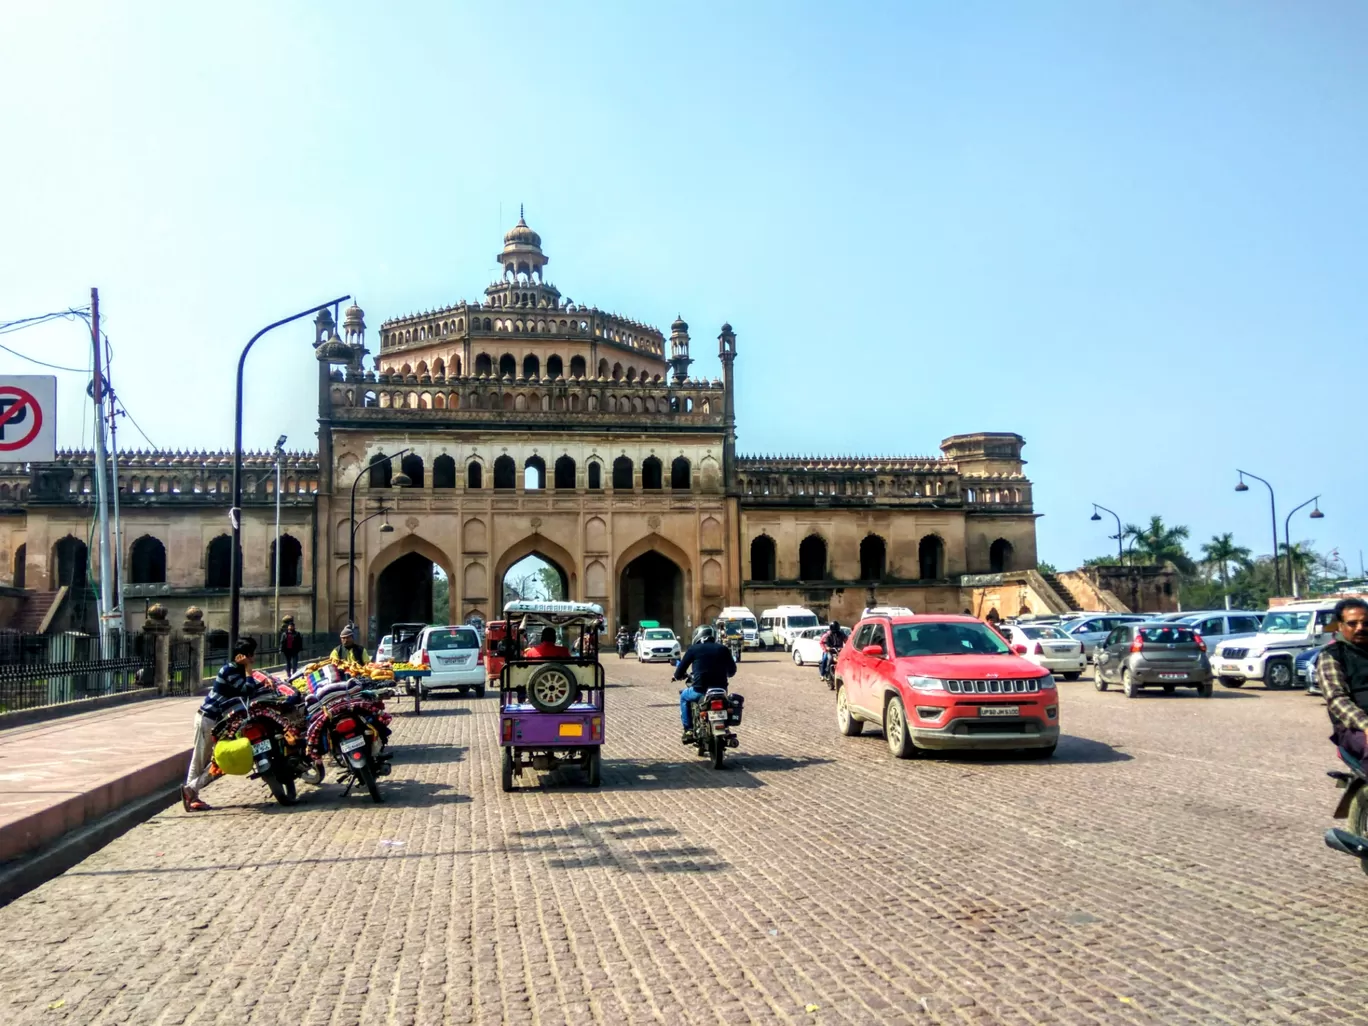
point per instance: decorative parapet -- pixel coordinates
(183, 476)
(481, 320)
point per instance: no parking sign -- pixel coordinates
(28, 419)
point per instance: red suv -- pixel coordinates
(943, 682)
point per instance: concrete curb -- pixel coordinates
(37, 869)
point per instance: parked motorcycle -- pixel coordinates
(714, 714)
(353, 727)
(274, 725)
(1353, 806)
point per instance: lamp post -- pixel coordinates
(275, 553)
(1315, 514)
(1096, 516)
(235, 513)
(1273, 510)
(400, 480)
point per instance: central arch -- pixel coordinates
(545, 549)
(654, 583)
(400, 587)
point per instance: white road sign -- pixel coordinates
(28, 418)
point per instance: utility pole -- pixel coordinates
(119, 569)
(102, 485)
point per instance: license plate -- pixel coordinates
(1173, 676)
(572, 730)
(999, 710)
(260, 747)
(353, 743)
(1061, 648)
(718, 716)
(1230, 667)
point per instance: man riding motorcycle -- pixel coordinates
(831, 643)
(624, 641)
(712, 665)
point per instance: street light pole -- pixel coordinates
(398, 481)
(1273, 510)
(235, 513)
(275, 553)
(1119, 555)
(1315, 514)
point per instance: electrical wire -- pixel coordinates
(6, 327)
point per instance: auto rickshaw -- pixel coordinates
(731, 632)
(551, 708)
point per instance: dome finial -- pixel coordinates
(520, 212)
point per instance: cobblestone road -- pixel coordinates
(1166, 867)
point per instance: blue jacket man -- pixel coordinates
(712, 666)
(233, 684)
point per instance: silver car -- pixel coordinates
(1093, 629)
(1218, 625)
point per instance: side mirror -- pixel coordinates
(873, 650)
(1019, 649)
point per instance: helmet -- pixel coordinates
(834, 626)
(704, 633)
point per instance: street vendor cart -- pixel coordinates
(551, 708)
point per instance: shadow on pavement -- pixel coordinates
(607, 844)
(1072, 749)
(394, 789)
(405, 755)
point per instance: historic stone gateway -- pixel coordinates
(528, 425)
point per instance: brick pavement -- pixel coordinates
(1165, 868)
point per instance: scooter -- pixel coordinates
(1353, 806)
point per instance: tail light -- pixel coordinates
(1138, 645)
(507, 730)
(1039, 649)
(1201, 644)
(717, 703)
(253, 732)
(347, 726)
(423, 658)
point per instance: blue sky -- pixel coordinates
(1132, 233)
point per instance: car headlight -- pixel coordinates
(1047, 682)
(926, 683)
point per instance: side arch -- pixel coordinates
(540, 545)
(412, 543)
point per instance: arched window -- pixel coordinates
(484, 366)
(218, 563)
(1000, 556)
(577, 366)
(505, 472)
(617, 372)
(413, 467)
(147, 561)
(595, 476)
(555, 368)
(565, 472)
(812, 558)
(931, 558)
(622, 474)
(474, 474)
(679, 474)
(20, 563)
(603, 368)
(873, 558)
(379, 472)
(291, 561)
(534, 473)
(508, 366)
(762, 558)
(652, 473)
(531, 366)
(443, 472)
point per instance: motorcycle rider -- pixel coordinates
(712, 666)
(234, 682)
(831, 643)
(624, 640)
(1343, 672)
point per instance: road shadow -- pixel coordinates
(1072, 749)
(406, 755)
(395, 791)
(620, 844)
(694, 772)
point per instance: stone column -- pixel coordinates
(193, 629)
(156, 628)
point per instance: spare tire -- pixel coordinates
(552, 688)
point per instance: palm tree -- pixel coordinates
(1221, 552)
(1159, 544)
(1299, 559)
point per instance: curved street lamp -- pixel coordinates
(1273, 509)
(400, 480)
(1096, 516)
(1315, 514)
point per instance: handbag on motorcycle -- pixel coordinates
(234, 756)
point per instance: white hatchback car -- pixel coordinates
(807, 645)
(453, 655)
(657, 644)
(1049, 647)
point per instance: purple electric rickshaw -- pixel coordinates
(551, 706)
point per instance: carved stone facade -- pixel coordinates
(529, 425)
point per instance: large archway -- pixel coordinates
(545, 552)
(408, 582)
(651, 587)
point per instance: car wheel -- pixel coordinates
(1074, 675)
(1358, 818)
(797, 658)
(552, 688)
(462, 690)
(1099, 681)
(1231, 682)
(593, 767)
(1204, 690)
(1128, 684)
(896, 731)
(479, 691)
(1278, 674)
(846, 722)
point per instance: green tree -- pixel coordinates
(1221, 553)
(1299, 560)
(1157, 543)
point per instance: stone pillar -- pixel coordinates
(193, 629)
(156, 628)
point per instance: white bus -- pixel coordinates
(777, 623)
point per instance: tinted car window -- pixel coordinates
(1216, 625)
(919, 639)
(1044, 632)
(447, 641)
(1244, 624)
(862, 639)
(1174, 635)
(876, 637)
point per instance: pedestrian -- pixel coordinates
(349, 650)
(233, 683)
(291, 645)
(1343, 672)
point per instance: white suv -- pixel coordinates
(1270, 656)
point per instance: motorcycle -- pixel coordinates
(734, 645)
(273, 725)
(624, 645)
(1353, 806)
(353, 727)
(714, 714)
